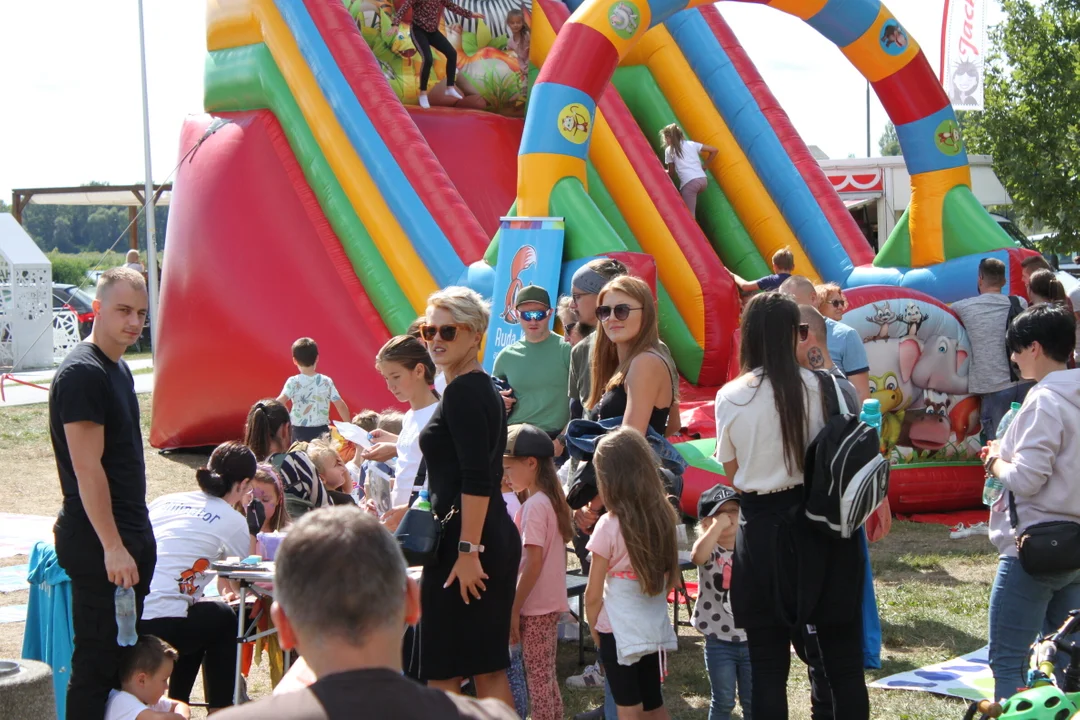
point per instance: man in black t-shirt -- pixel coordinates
(343, 599)
(103, 534)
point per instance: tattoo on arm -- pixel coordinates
(815, 358)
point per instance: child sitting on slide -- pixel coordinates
(783, 265)
(426, 35)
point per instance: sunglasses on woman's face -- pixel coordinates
(804, 331)
(448, 333)
(838, 303)
(533, 315)
(620, 311)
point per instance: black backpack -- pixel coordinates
(845, 477)
(1015, 308)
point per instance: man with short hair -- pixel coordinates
(343, 600)
(536, 367)
(103, 534)
(813, 352)
(985, 318)
(1031, 265)
(844, 344)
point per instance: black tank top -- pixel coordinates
(613, 405)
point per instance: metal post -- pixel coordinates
(151, 229)
(868, 119)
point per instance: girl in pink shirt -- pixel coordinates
(635, 561)
(545, 525)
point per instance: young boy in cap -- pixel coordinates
(537, 367)
(727, 656)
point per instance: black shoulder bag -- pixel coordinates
(1048, 547)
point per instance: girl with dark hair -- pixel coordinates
(406, 366)
(785, 574)
(193, 530)
(682, 158)
(268, 430)
(1044, 287)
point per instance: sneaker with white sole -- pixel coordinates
(591, 677)
(962, 531)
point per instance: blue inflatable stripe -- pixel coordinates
(759, 141)
(663, 9)
(547, 103)
(919, 140)
(845, 21)
(949, 281)
(574, 4)
(427, 237)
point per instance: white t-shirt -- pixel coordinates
(512, 504)
(408, 452)
(748, 430)
(688, 167)
(137, 267)
(125, 706)
(193, 530)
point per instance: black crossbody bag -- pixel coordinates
(1048, 547)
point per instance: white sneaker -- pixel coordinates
(454, 93)
(591, 677)
(963, 531)
(424, 101)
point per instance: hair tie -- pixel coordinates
(260, 406)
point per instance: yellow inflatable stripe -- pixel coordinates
(649, 228)
(732, 170)
(927, 212)
(231, 24)
(537, 175)
(394, 245)
(868, 57)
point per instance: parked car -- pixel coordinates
(77, 300)
(1023, 241)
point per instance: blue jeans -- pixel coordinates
(1021, 606)
(727, 661)
(993, 406)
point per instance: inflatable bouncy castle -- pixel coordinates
(330, 205)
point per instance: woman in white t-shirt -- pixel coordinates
(193, 530)
(785, 574)
(409, 372)
(682, 158)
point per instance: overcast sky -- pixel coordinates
(71, 109)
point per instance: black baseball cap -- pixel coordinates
(711, 500)
(528, 441)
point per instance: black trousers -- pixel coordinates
(95, 662)
(424, 40)
(307, 434)
(841, 653)
(206, 638)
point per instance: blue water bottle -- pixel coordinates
(871, 414)
(125, 617)
(993, 488)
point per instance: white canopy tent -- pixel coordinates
(26, 317)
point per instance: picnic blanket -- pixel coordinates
(18, 533)
(12, 614)
(13, 578)
(967, 677)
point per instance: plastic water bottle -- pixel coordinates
(125, 617)
(993, 488)
(422, 502)
(871, 414)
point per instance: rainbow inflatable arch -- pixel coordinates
(337, 206)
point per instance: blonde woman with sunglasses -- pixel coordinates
(467, 591)
(831, 301)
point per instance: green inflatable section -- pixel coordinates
(967, 228)
(589, 233)
(247, 78)
(699, 454)
(717, 217)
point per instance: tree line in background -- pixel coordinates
(1031, 124)
(85, 228)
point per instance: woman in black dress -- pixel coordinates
(467, 591)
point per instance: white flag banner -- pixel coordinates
(963, 50)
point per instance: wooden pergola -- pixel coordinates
(132, 197)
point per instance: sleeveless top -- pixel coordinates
(613, 404)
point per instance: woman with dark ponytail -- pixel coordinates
(193, 530)
(268, 434)
(268, 431)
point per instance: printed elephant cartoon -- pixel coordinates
(942, 365)
(892, 362)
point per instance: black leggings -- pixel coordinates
(424, 40)
(841, 656)
(205, 638)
